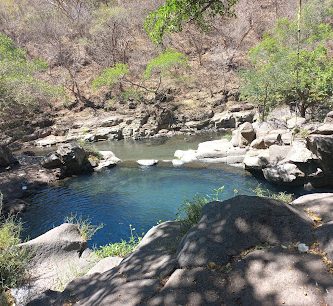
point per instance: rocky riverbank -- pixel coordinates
(243, 250)
(142, 122)
(291, 153)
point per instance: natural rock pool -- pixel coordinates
(129, 195)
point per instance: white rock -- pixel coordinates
(302, 248)
(296, 121)
(147, 162)
(177, 162)
(186, 156)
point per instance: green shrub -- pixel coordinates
(191, 210)
(13, 259)
(120, 249)
(164, 62)
(111, 76)
(90, 149)
(280, 196)
(86, 228)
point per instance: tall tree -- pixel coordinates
(295, 65)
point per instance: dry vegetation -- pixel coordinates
(79, 38)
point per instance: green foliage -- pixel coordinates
(20, 90)
(280, 196)
(131, 94)
(111, 76)
(13, 259)
(164, 62)
(278, 74)
(191, 210)
(171, 16)
(86, 228)
(90, 149)
(122, 248)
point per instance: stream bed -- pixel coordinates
(132, 195)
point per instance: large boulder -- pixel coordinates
(71, 159)
(213, 149)
(322, 147)
(241, 223)
(299, 153)
(6, 157)
(278, 153)
(108, 160)
(224, 120)
(316, 204)
(256, 160)
(273, 276)
(245, 134)
(58, 257)
(325, 129)
(284, 173)
(295, 122)
(134, 280)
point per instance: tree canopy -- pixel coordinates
(283, 71)
(171, 16)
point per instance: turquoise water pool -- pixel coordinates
(122, 196)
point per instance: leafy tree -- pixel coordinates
(161, 66)
(21, 91)
(171, 16)
(282, 72)
(112, 76)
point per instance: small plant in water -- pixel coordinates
(280, 196)
(122, 248)
(86, 228)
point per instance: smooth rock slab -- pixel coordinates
(324, 235)
(264, 277)
(155, 256)
(105, 265)
(319, 203)
(226, 228)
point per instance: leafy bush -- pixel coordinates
(280, 196)
(20, 91)
(191, 210)
(90, 149)
(13, 259)
(86, 228)
(164, 62)
(122, 248)
(289, 68)
(111, 76)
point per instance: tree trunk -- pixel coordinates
(302, 109)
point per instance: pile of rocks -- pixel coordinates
(71, 159)
(144, 124)
(285, 156)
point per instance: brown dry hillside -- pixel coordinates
(79, 43)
